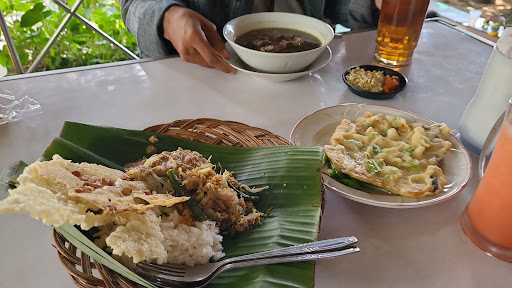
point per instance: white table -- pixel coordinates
(400, 248)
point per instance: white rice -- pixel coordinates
(190, 245)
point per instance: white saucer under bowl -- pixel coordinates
(318, 64)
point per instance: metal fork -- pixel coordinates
(164, 282)
(202, 274)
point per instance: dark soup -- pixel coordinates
(278, 40)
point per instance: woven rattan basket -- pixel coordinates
(87, 273)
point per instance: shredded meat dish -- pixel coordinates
(214, 196)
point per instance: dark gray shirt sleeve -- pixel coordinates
(144, 19)
(363, 14)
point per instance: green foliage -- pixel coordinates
(32, 23)
(34, 15)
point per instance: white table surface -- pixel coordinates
(400, 248)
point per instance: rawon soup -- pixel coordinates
(278, 40)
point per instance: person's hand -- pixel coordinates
(378, 3)
(195, 38)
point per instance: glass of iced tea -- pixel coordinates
(399, 29)
(487, 220)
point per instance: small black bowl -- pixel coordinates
(376, 95)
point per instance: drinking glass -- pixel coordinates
(399, 29)
(491, 96)
(487, 220)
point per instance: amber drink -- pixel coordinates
(399, 29)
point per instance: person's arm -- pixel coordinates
(143, 18)
(195, 38)
(163, 27)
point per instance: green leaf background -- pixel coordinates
(294, 195)
(76, 46)
(34, 15)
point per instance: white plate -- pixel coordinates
(318, 64)
(316, 129)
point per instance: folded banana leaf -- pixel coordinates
(294, 197)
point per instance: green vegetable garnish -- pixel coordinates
(326, 161)
(351, 182)
(409, 150)
(219, 169)
(345, 179)
(197, 212)
(244, 194)
(415, 167)
(376, 149)
(179, 190)
(348, 180)
(395, 123)
(177, 186)
(372, 166)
